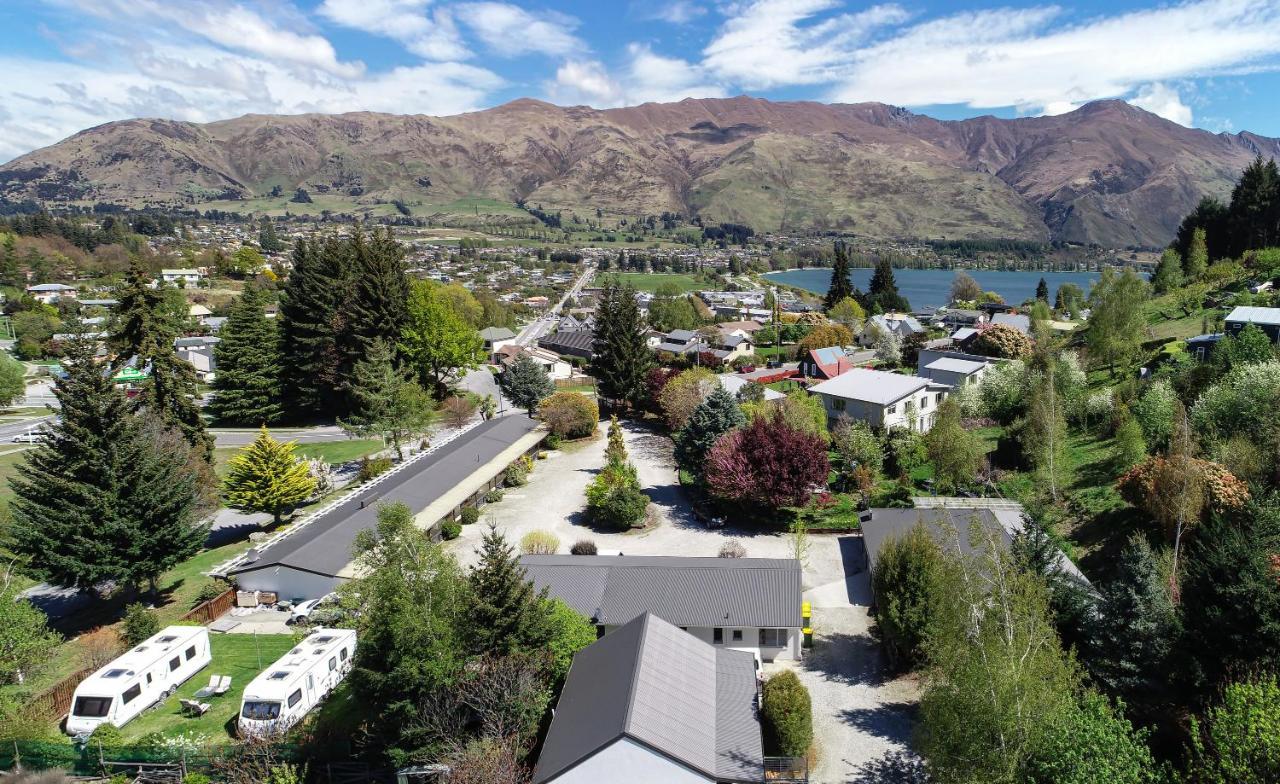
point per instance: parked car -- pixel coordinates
(29, 437)
(301, 611)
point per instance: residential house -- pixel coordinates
(825, 363)
(748, 327)
(727, 348)
(882, 400)
(959, 317)
(494, 339)
(183, 277)
(50, 293)
(199, 351)
(749, 604)
(199, 313)
(539, 302)
(902, 325)
(1267, 319)
(681, 341)
(649, 703)
(734, 382)
(214, 323)
(1201, 346)
(954, 372)
(549, 361)
(1019, 321)
(576, 343)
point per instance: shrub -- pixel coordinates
(209, 591)
(139, 624)
(1154, 412)
(1001, 340)
(583, 547)
(614, 498)
(516, 475)
(372, 467)
(107, 735)
(682, 394)
(539, 543)
(570, 414)
(450, 529)
(196, 778)
(493, 496)
(767, 464)
(99, 646)
(903, 581)
(1237, 741)
(786, 716)
(553, 441)
(470, 515)
(732, 549)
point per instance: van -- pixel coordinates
(139, 678)
(300, 680)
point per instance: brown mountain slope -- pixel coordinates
(1107, 173)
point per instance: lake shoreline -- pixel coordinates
(932, 287)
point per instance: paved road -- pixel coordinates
(546, 323)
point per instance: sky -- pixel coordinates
(66, 65)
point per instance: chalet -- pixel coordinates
(649, 703)
(882, 400)
(749, 604)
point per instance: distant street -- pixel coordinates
(547, 322)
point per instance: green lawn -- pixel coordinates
(242, 656)
(328, 451)
(650, 281)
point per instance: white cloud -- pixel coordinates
(1163, 100)
(676, 12)
(647, 76)
(1028, 58)
(771, 43)
(428, 33)
(509, 30)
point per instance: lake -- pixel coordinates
(924, 287)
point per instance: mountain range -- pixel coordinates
(1107, 173)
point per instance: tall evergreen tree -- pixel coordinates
(883, 291)
(714, 417)
(526, 383)
(313, 327)
(268, 240)
(1212, 216)
(841, 284)
(95, 501)
(137, 330)
(503, 615)
(1197, 258)
(1255, 208)
(620, 357)
(169, 395)
(1042, 291)
(378, 308)
(247, 388)
(385, 401)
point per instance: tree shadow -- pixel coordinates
(895, 767)
(891, 720)
(849, 659)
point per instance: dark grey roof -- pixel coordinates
(613, 589)
(666, 690)
(949, 526)
(565, 341)
(323, 546)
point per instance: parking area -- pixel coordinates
(861, 717)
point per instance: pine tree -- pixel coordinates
(1042, 291)
(620, 357)
(378, 308)
(385, 401)
(169, 395)
(268, 240)
(247, 388)
(841, 285)
(883, 291)
(1197, 260)
(1255, 208)
(503, 615)
(265, 476)
(95, 501)
(1135, 628)
(615, 451)
(714, 417)
(526, 383)
(313, 327)
(136, 328)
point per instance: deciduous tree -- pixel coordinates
(953, 450)
(437, 342)
(767, 463)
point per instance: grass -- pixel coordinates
(10, 458)
(784, 386)
(329, 451)
(650, 281)
(242, 656)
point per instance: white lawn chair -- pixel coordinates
(211, 689)
(195, 708)
(224, 685)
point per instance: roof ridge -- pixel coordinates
(644, 619)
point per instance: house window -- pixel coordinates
(295, 698)
(891, 410)
(773, 638)
(174, 663)
(924, 402)
(717, 636)
(191, 653)
(838, 404)
(131, 693)
(737, 635)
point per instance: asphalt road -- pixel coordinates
(546, 323)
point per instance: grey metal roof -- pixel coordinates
(496, 333)
(665, 689)
(950, 527)
(1018, 321)
(682, 335)
(1254, 315)
(573, 340)
(872, 386)
(323, 546)
(950, 365)
(686, 591)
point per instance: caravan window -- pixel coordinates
(131, 693)
(342, 654)
(295, 698)
(333, 663)
(174, 663)
(191, 653)
(261, 711)
(92, 707)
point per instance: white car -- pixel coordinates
(301, 611)
(29, 437)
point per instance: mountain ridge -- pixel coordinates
(1107, 173)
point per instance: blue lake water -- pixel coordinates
(924, 287)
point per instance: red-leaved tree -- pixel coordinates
(768, 462)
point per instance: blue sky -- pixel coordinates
(71, 64)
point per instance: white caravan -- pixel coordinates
(287, 690)
(139, 678)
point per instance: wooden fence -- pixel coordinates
(210, 611)
(57, 701)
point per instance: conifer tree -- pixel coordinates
(265, 476)
(1042, 291)
(136, 329)
(1255, 208)
(615, 451)
(714, 417)
(313, 327)
(96, 501)
(883, 291)
(385, 401)
(620, 357)
(247, 388)
(503, 616)
(526, 384)
(378, 308)
(1197, 260)
(169, 395)
(841, 285)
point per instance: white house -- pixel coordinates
(555, 367)
(749, 604)
(49, 293)
(882, 400)
(495, 338)
(900, 324)
(648, 703)
(954, 372)
(185, 277)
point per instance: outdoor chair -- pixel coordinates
(195, 708)
(211, 689)
(224, 685)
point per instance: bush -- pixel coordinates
(371, 467)
(196, 778)
(99, 646)
(583, 547)
(493, 496)
(570, 414)
(1001, 340)
(786, 716)
(732, 549)
(516, 475)
(139, 624)
(450, 529)
(554, 441)
(470, 515)
(903, 581)
(615, 500)
(107, 735)
(209, 591)
(539, 543)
